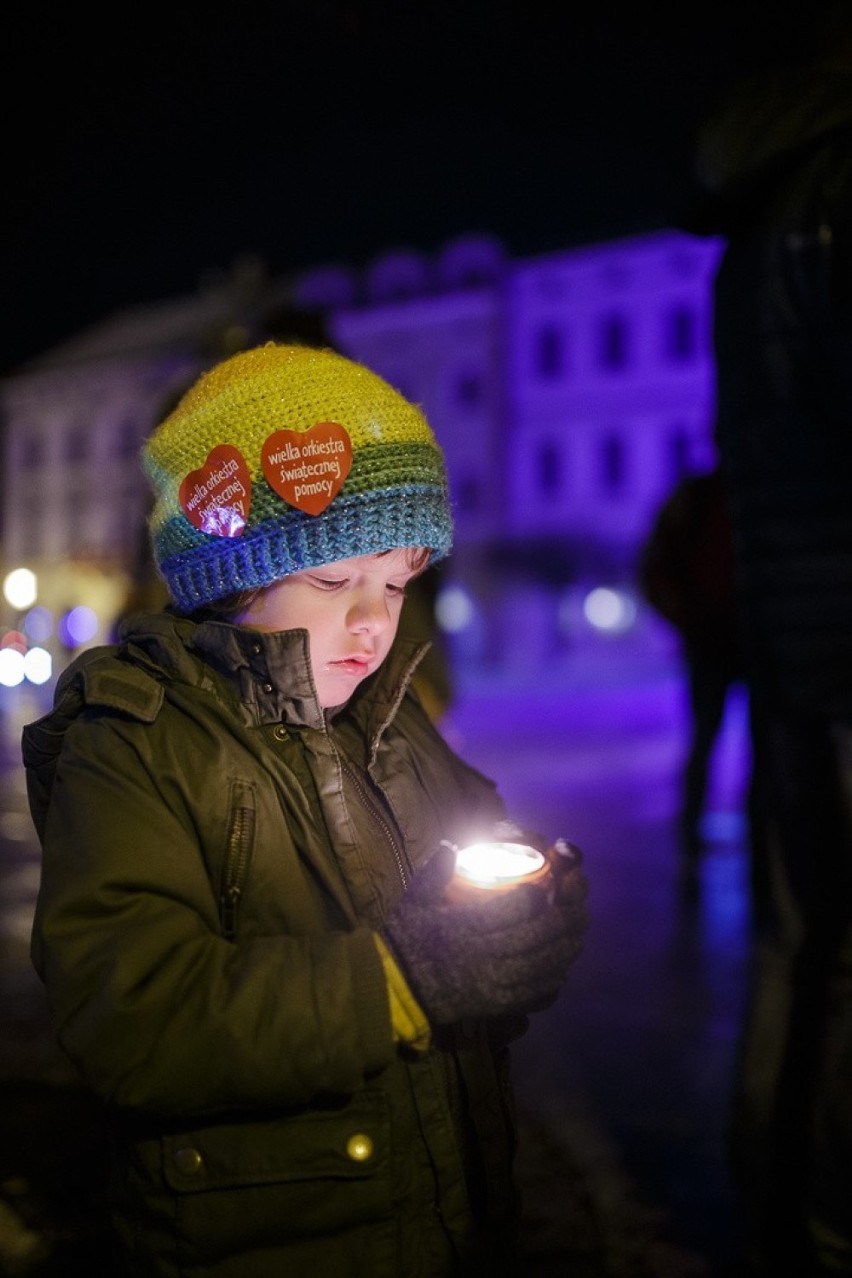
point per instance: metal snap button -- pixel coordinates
(359, 1147)
(188, 1161)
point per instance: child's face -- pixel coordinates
(350, 610)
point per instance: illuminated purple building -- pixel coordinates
(569, 392)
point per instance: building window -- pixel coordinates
(76, 444)
(468, 494)
(476, 277)
(30, 530)
(678, 454)
(549, 353)
(614, 338)
(681, 335)
(549, 471)
(613, 464)
(403, 385)
(126, 525)
(31, 452)
(75, 502)
(469, 390)
(128, 440)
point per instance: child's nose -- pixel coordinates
(370, 614)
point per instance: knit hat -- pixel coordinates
(282, 458)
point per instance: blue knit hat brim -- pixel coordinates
(363, 524)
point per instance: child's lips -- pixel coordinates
(356, 665)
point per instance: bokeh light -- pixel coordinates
(11, 667)
(78, 626)
(37, 625)
(38, 665)
(20, 588)
(610, 610)
(14, 639)
(453, 610)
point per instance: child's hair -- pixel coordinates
(283, 458)
(417, 559)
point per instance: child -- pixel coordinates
(244, 811)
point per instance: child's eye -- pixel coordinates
(395, 590)
(329, 583)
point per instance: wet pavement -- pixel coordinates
(630, 1072)
(623, 1083)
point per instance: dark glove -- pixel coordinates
(506, 953)
(570, 885)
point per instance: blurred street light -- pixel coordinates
(20, 588)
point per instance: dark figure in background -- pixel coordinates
(686, 574)
(775, 164)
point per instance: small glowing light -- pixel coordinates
(223, 521)
(610, 610)
(20, 588)
(453, 610)
(37, 625)
(491, 864)
(38, 665)
(14, 639)
(11, 667)
(79, 625)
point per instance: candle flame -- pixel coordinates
(490, 864)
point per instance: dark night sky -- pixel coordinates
(146, 152)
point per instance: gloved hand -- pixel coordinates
(502, 953)
(570, 885)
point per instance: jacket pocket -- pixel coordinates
(303, 1186)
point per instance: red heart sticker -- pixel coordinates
(216, 498)
(308, 468)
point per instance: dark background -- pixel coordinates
(149, 149)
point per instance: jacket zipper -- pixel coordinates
(237, 858)
(379, 816)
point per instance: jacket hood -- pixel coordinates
(758, 131)
(265, 675)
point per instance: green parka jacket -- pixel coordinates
(217, 853)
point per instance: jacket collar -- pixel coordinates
(268, 672)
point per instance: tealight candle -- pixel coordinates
(497, 866)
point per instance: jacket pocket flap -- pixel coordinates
(344, 1144)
